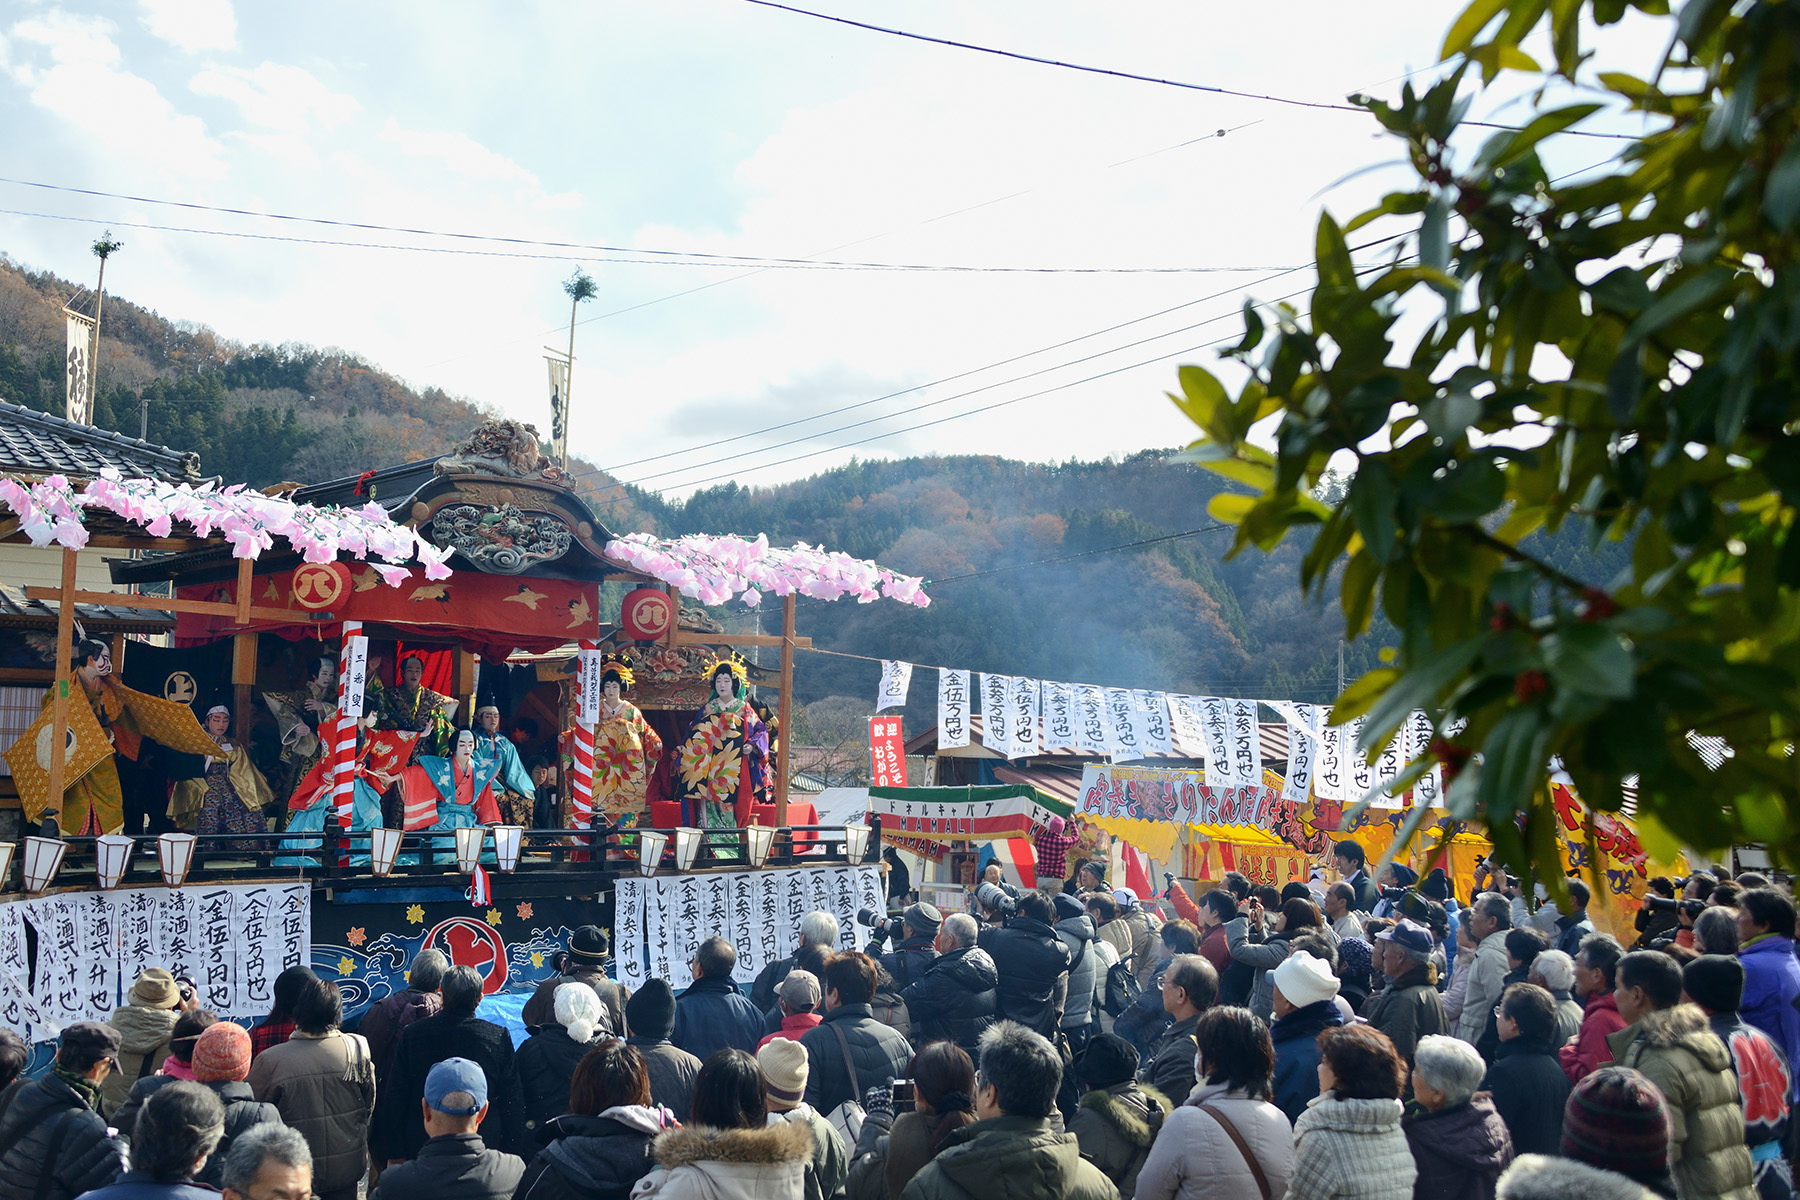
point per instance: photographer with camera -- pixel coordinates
(1657, 915)
(994, 905)
(956, 997)
(1033, 963)
(913, 934)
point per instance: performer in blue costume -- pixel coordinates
(514, 779)
(310, 807)
(446, 794)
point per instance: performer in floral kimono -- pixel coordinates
(626, 749)
(230, 795)
(724, 761)
(418, 709)
(512, 785)
(378, 755)
(445, 794)
(94, 804)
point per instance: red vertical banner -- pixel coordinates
(887, 752)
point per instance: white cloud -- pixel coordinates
(192, 25)
(461, 153)
(275, 96)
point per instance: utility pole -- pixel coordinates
(578, 287)
(104, 248)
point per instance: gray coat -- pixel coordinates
(1085, 974)
(672, 1071)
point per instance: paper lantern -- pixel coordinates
(384, 848)
(318, 586)
(469, 841)
(175, 854)
(758, 840)
(687, 846)
(507, 839)
(650, 850)
(112, 855)
(647, 614)
(43, 857)
(6, 857)
(856, 842)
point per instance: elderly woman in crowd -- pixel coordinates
(1194, 1157)
(1554, 971)
(1459, 1143)
(1348, 1144)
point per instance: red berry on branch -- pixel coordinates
(1599, 605)
(1530, 685)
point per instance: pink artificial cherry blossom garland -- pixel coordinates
(51, 510)
(713, 569)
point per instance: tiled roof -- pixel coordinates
(18, 612)
(35, 443)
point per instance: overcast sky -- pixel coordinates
(722, 127)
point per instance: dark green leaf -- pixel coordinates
(1590, 659)
(1781, 194)
(1372, 496)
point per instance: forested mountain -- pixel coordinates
(1063, 571)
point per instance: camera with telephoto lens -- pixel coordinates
(1393, 895)
(885, 928)
(1657, 903)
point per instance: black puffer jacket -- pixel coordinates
(454, 1166)
(426, 1043)
(546, 1063)
(1034, 973)
(588, 1158)
(1078, 934)
(1528, 1094)
(541, 1008)
(908, 960)
(956, 998)
(33, 1114)
(879, 1053)
(243, 1112)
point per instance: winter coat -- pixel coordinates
(1529, 1090)
(1771, 984)
(1408, 1009)
(1487, 979)
(1009, 1158)
(702, 1163)
(546, 1062)
(426, 1043)
(1086, 978)
(592, 1158)
(1195, 1159)
(541, 1008)
(956, 998)
(762, 990)
(1765, 1081)
(879, 1053)
(144, 1035)
(672, 1071)
(1351, 1150)
(711, 1015)
(1170, 1067)
(243, 1111)
(1459, 1152)
(1144, 932)
(138, 1185)
(793, 1028)
(829, 1165)
(1034, 973)
(1542, 1177)
(1488, 1044)
(1367, 896)
(32, 1111)
(1215, 948)
(382, 1024)
(1568, 1017)
(1115, 1127)
(1296, 1039)
(1570, 930)
(1117, 934)
(885, 1159)
(1692, 1069)
(908, 960)
(1261, 957)
(324, 1086)
(454, 1166)
(1600, 1019)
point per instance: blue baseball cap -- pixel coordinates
(1409, 935)
(456, 1075)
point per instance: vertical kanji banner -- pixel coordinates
(887, 752)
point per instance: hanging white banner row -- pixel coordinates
(1022, 718)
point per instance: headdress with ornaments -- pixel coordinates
(733, 662)
(619, 666)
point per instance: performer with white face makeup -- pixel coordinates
(232, 794)
(724, 761)
(445, 794)
(626, 749)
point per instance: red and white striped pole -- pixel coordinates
(581, 777)
(343, 742)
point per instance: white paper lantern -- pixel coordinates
(112, 854)
(175, 854)
(856, 842)
(6, 857)
(650, 850)
(469, 841)
(687, 846)
(384, 849)
(507, 839)
(759, 840)
(43, 857)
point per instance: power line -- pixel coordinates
(1176, 83)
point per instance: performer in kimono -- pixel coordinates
(94, 804)
(512, 785)
(414, 708)
(231, 793)
(310, 807)
(724, 761)
(446, 794)
(626, 749)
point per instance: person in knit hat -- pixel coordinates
(146, 1022)
(178, 1065)
(221, 1062)
(1616, 1120)
(785, 1068)
(1116, 1119)
(1304, 1007)
(650, 1015)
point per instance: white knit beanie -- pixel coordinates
(579, 1012)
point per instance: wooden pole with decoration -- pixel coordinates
(343, 742)
(59, 705)
(787, 710)
(581, 750)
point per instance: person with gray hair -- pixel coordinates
(1716, 931)
(957, 997)
(1554, 971)
(271, 1162)
(1458, 1141)
(817, 928)
(178, 1127)
(712, 1014)
(1488, 920)
(1011, 1137)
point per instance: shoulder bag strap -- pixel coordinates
(147, 1063)
(47, 1169)
(856, 1095)
(1262, 1180)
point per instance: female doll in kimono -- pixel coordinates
(724, 760)
(626, 749)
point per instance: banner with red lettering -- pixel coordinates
(887, 752)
